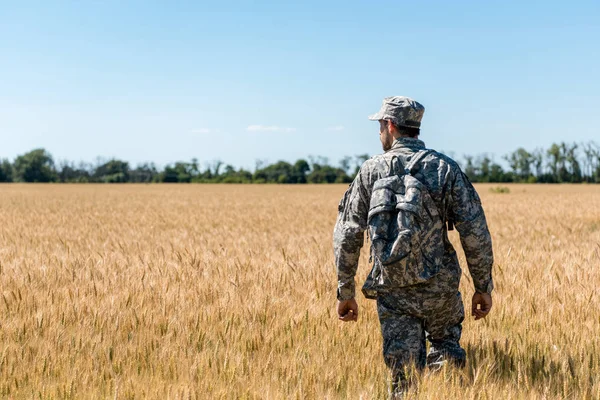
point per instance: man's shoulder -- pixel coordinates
(376, 163)
(382, 161)
(442, 160)
(436, 168)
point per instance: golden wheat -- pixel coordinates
(206, 291)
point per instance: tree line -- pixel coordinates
(560, 163)
(39, 166)
(564, 162)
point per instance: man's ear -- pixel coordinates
(392, 128)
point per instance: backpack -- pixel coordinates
(406, 231)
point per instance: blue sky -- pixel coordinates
(241, 81)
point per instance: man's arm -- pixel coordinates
(469, 219)
(348, 234)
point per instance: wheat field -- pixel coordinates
(228, 292)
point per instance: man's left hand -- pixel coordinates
(347, 310)
(481, 305)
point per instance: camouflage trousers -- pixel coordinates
(410, 316)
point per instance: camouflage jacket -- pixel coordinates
(452, 192)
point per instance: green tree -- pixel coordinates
(70, 173)
(497, 174)
(181, 172)
(588, 166)
(144, 173)
(280, 172)
(217, 167)
(554, 157)
(563, 173)
(592, 152)
(299, 171)
(520, 162)
(113, 171)
(6, 171)
(35, 166)
(327, 174)
(537, 159)
(484, 169)
(232, 176)
(470, 169)
(574, 166)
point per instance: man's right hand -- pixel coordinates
(481, 305)
(347, 310)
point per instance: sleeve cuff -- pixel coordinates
(486, 287)
(345, 292)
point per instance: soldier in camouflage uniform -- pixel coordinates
(433, 309)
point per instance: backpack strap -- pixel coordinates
(416, 158)
(391, 170)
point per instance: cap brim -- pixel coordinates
(376, 116)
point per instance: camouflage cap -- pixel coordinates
(401, 110)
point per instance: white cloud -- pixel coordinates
(269, 128)
(337, 128)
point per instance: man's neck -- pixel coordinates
(407, 141)
(400, 136)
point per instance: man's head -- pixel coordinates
(399, 117)
(389, 131)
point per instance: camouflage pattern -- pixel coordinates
(449, 189)
(405, 228)
(401, 110)
(431, 309)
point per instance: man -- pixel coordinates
(432, 309)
